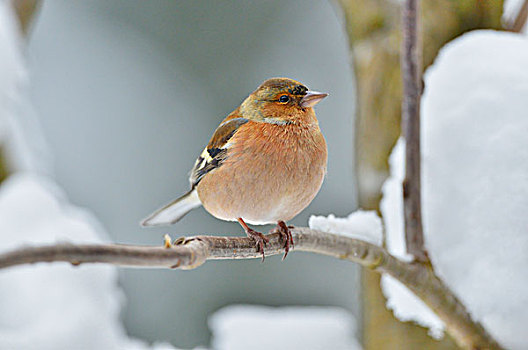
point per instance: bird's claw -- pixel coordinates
(285, 236)
(260, 240)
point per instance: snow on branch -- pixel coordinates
(191, 252)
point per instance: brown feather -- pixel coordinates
(215, 153)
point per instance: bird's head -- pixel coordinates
(281, 101)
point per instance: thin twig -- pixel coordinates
(26, 11)
(412, 88)
(189, 253)
(518, 23)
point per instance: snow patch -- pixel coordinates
(475, 177)
(405, 305)
(23, 145)
(12, 69)
(55, 306)
(475, 184)
(242, 327)
(363, 225)
(391, 204)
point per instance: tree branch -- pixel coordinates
(412, 88)
(189, 253)
(25, 11)
(518, 23)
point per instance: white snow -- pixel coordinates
(55, 306)
(364, 225)
(21, 140)
(367, 226)
(405, 305)
(243, 327)
(391, 204)
(475, 177)
(408, 307)
(12, 71)
(475, 182)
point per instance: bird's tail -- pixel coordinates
(173, 211)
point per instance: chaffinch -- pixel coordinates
(264, 164)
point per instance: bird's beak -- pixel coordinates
(312, 98)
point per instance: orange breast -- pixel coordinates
(272, 173)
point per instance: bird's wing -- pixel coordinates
(215, 153)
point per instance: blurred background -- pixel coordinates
(120, 96)
(129, 92)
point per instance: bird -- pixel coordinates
(264, 164)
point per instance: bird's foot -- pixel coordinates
(259, 238)
(285, 236)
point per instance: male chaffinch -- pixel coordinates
(264, 164)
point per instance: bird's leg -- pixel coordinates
(259, 238)
(285, 236)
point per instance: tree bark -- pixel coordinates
(411, 67)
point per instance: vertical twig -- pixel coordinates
(25, 11)
(412, 87)
(518, 23)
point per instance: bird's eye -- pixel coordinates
(284, 99)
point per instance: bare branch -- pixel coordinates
(25, 11)
(518, 23)
(412, 88)
(189, 253)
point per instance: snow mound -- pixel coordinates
(364, 225)
(242, 327)
(475, 184)
(55, 306)
(475, 177)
